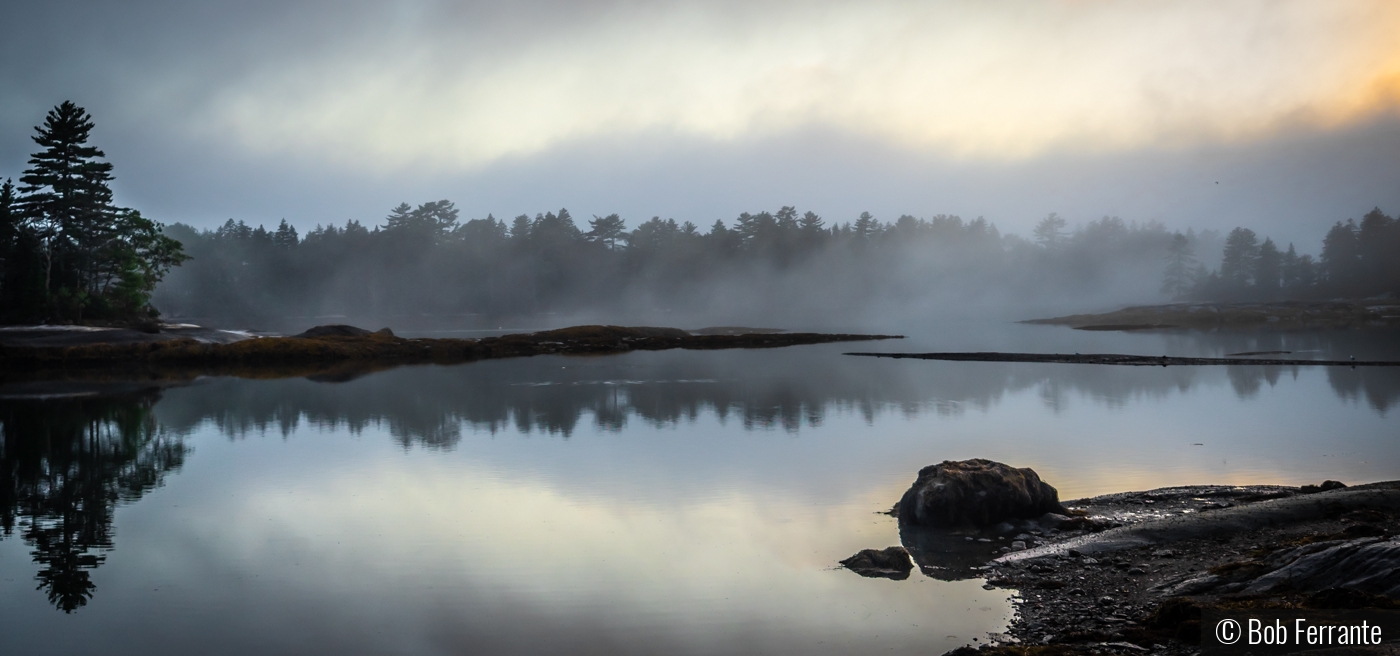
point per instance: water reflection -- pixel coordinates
(65, 465)
(431, 406)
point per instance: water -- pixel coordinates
(670, 502)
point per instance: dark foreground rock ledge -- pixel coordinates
(1133, 572)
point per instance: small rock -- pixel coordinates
(1105, 601)
(1136, 571)
(1164, 553)
(1073, 553)
(890, 563)
(1018, 546)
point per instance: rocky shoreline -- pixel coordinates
(1132, 573)
(339, 345)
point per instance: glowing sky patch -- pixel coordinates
(985, 80)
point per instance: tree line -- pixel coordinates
(70, 254)
(426, 260)
(1357, 261)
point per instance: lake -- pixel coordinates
(678, 502)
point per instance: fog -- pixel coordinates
(426, 269)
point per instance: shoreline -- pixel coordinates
(1280, 315)
(1126, 360)
(1139, 568)
(344, 346)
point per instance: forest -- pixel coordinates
(783, 265)
(70, 255)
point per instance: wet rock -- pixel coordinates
(1367, 565)
(976, 492)
(889, 563)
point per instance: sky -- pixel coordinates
(1279, 115)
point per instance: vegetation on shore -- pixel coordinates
(384, 347)
(1278, 314)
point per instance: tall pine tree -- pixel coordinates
(93, 259)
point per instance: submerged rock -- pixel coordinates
(888, 563)
(976, 492)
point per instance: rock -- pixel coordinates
(1326, 486)
(890, 563)
(1018, 546)
(976, 493)
(1367, 565)
(334, 330)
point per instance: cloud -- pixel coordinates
(421, 84)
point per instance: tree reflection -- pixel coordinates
(788, 390)
(65, 465)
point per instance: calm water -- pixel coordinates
(673, 502)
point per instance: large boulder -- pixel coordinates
(977, 493)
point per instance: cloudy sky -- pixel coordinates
(1281, 115)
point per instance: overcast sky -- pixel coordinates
(1274, 114)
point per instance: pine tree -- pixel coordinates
(606, 229)
(1178, 279)
(1050, 232)
(66, 200)
(1267, 270)
(1341, 258)
(286, 235)
(1241, 257)
(95, 260)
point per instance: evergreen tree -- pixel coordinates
(66, 200)
(606, 229)
(1050, 232)
(1341, 258)
(866, 226)
(1288, 272)
(91, 251)
(1378, 249)
(286, 235)
(1267, 270)
(1178, 279)
(1241, 257)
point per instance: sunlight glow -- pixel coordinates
(989, 80)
